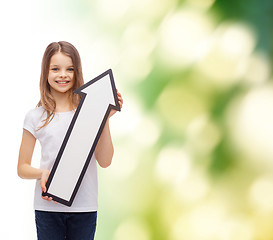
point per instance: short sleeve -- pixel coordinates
(29, 123)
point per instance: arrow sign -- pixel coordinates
(99, 96)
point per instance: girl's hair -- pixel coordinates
(47, 100)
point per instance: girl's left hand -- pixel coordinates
(44, 178)
(120, 101)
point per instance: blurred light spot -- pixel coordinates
(173, 165)
(224, 61)
(147, 132)
(151, 10)
(251, 125)
(193, 188)
(178, 105)
(128, 119)
(140, 36)
(204, 4)
(125, 159)
(182, 34)
(112, 11)
(202, 135)
(261, 194)
(134, 68)
(258, 69)
(236, 40)
(132, 229)
(236, 228)
(207, 219)
(138, 41)
(101, 55)
(203, 222)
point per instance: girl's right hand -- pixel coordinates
(44, 177)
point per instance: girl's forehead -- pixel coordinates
(60, 58)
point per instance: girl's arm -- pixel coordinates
(104, 150)
(24, 168)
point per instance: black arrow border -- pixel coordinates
(70, 128)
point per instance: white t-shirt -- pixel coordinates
(51, 138)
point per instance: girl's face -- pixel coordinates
(61, 73)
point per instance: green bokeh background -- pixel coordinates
(194, 141)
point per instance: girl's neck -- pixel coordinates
(63, 101)
(63, 107)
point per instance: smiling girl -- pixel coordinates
(61, 74)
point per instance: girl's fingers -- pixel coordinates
(119, 94)
(120, 99)
(43, 187)
(47, 198)
(44, 197)
(44, 178)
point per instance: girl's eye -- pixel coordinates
(70, 69)
(54, 69)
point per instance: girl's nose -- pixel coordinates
(62, 74)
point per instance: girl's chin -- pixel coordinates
(61, 90)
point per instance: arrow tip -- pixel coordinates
(109, 86)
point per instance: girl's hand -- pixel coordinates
(120, 101)
(44, 178)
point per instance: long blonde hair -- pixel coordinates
(47, 101)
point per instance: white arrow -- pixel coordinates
(99, 96)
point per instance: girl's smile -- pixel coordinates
(62, 82)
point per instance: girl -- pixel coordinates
(61, 74)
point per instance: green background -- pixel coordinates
(194, 140)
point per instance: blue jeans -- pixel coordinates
(69, 226)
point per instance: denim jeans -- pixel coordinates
(69, 226)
